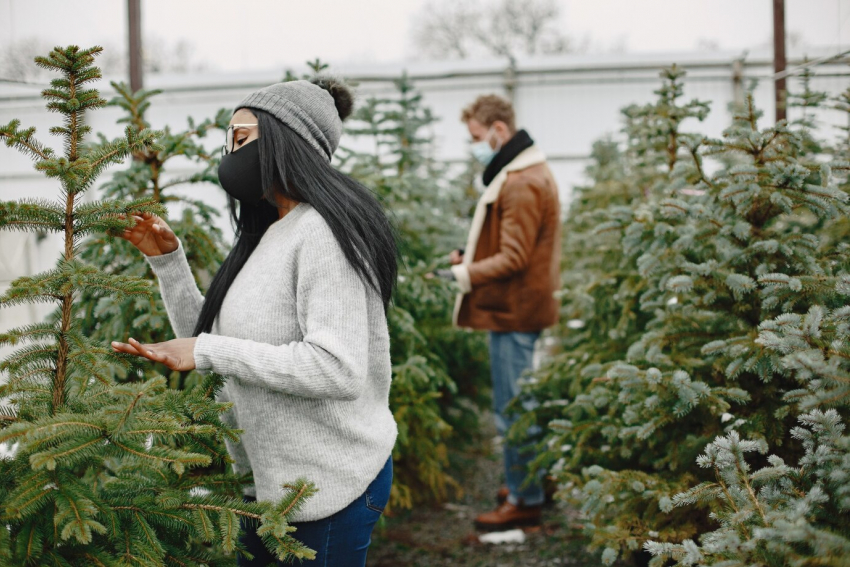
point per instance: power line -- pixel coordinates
(820, 61)
(18, 81)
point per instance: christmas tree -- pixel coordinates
(781, 513)
(440, 373)
(144, 318)
(101, 472)
(701, 268)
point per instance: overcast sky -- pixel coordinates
(255, 34)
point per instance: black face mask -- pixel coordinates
(239, 174)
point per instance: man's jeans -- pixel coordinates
(340, 540)
(510, 355)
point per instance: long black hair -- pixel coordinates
(293, 168)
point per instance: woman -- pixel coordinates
(295, 317)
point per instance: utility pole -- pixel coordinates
(510, 79)
(134, 36)
(779, 56)
(738, 82)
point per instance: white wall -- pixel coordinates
(565, 102)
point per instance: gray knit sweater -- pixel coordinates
(305, 346)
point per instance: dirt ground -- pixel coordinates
(445, 535)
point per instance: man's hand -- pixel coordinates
(456, 257)
(177, 354)
(447, 275)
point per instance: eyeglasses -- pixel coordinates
(228, 139)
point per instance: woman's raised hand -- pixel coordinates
(151, 234)
(177, 354)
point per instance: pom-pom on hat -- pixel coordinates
(314, 109)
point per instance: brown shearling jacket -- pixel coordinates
(515, 269)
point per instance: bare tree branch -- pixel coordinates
(506, 28)
(444, 29)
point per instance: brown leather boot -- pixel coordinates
(549, 490)
(508, 516)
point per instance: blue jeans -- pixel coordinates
(340, 540)
(510, 355)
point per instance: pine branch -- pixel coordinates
(65, 425)
(28, 356)
(69, 452)
(135, 104)
(27, 497)
(31, 332)
(177, 460)
(199, 507)
(116, 151)
(24, 140)
(229, 529)
(78, 511)
(69, 277)
(102, 216)
(31, 214)
(27, 383)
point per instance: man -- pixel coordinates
(508, 273)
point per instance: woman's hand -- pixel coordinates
(177, 354)
(151, 235)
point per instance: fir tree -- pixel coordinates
(779, 514)
(782, 514)
(602, 291)
(109, 317)
(101, 472)
(439, 373)
(316, 66)
(713, 263)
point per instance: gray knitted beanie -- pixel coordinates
(314, 109)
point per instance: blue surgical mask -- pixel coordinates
(482, 150)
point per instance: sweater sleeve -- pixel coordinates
(180, 293)
(330, 361)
